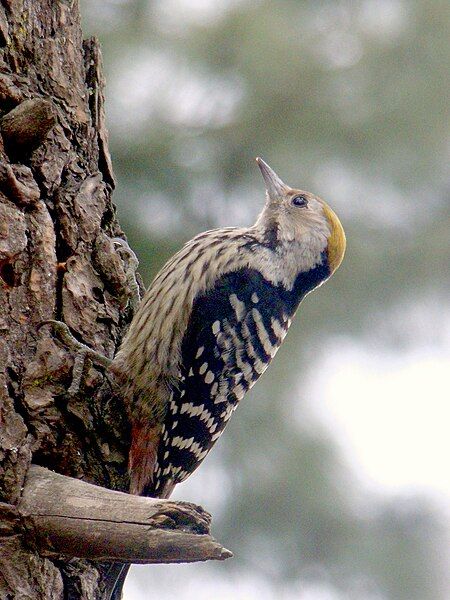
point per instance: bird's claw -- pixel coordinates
(132, 264)
(82, 352)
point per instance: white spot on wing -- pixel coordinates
(239, 391)
(237, 377)
(203, 368)
(259, 366)
(226, 414)
(191, 409)
(180, 442)
(198, 411)
(223, 387)
(255, 298)
(239, 307)
(278, 329)
(189, 444)
(223, 341)
(219, 399)
(246, 332)
(244, 367)
(238, 347)
(200, 351)
(216, 327)
(262, 334)
(182, 475)
(209, 378)
(216, 436)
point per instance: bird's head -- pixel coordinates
(292, 215)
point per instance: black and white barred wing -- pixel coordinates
(234, 331)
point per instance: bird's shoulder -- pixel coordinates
(234, 330)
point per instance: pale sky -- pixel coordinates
(390, 413)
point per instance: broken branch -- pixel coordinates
(66, 516)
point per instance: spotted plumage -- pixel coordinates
(234, 331)
(210, 324)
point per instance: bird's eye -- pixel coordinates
(299, 201)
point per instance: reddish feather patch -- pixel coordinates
(142, 457)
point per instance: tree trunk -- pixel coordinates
(57, 261)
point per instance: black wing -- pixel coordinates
(234, 331)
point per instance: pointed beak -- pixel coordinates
(274, 186)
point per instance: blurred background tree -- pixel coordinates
(330, 482)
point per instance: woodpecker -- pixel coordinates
(209, 325)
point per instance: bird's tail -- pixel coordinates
(115, 576)
(114, 580)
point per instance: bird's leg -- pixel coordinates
(132, 264)
(78, 369)
(81, 351)
(63, 332)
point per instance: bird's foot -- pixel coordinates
(81, 351)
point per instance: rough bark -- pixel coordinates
(57, 261)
